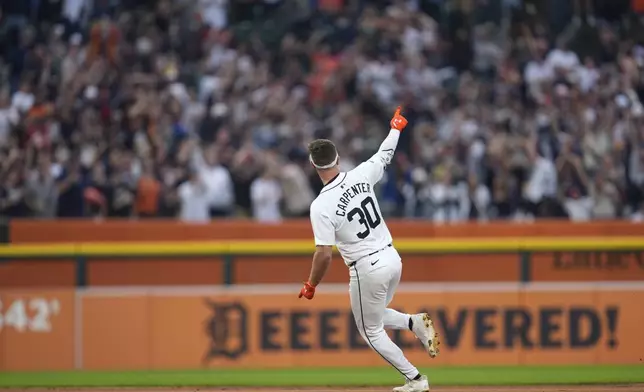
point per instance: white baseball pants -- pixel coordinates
(373, 282)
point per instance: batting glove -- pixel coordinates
(398, 121)
(308, 291)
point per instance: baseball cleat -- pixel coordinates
(420, 385)
(423, 327)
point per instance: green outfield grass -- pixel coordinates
(525, 375)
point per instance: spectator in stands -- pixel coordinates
(296, 188)
(148, 191)
(541, 185)
(194, 199)
(218, 181)
(266, 195)
(41, 189)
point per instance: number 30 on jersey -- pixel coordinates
(368, 219)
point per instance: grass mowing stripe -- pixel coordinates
(493, 375)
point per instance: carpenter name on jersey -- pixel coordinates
(350, 193)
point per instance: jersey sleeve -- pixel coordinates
(374, 168)
(323, 229)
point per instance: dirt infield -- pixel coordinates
(548, 388)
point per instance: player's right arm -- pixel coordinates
(324, 234)
(374, 168)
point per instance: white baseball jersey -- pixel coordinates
(346, 212)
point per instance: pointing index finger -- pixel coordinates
(397, 111)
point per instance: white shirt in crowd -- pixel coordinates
(73, 9)
(297, 190)
(266, 194)
(218, 56)
(380, 76)
(605, 200)
(214, 13)
(542, 181)
(415, 40)
(537, 72)
(451, 203)
(587, 78)
(422, 79)
(22, 101)
(193, 197)
(565, 59)
(481, 200)
(193, 113)
(579, 210)
(487, 54)
(217, 179)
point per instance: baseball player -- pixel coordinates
(346, 214)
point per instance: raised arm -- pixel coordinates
(374, 168)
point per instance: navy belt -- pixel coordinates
(370, 254)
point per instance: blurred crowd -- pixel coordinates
(202, 109)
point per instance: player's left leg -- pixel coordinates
(420, 324)
(394, 319)
(368, 291)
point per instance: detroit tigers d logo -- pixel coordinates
(227, 329)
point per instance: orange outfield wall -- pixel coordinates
(279, 269)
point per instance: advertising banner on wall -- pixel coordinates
(161, 331)
(189, 328)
